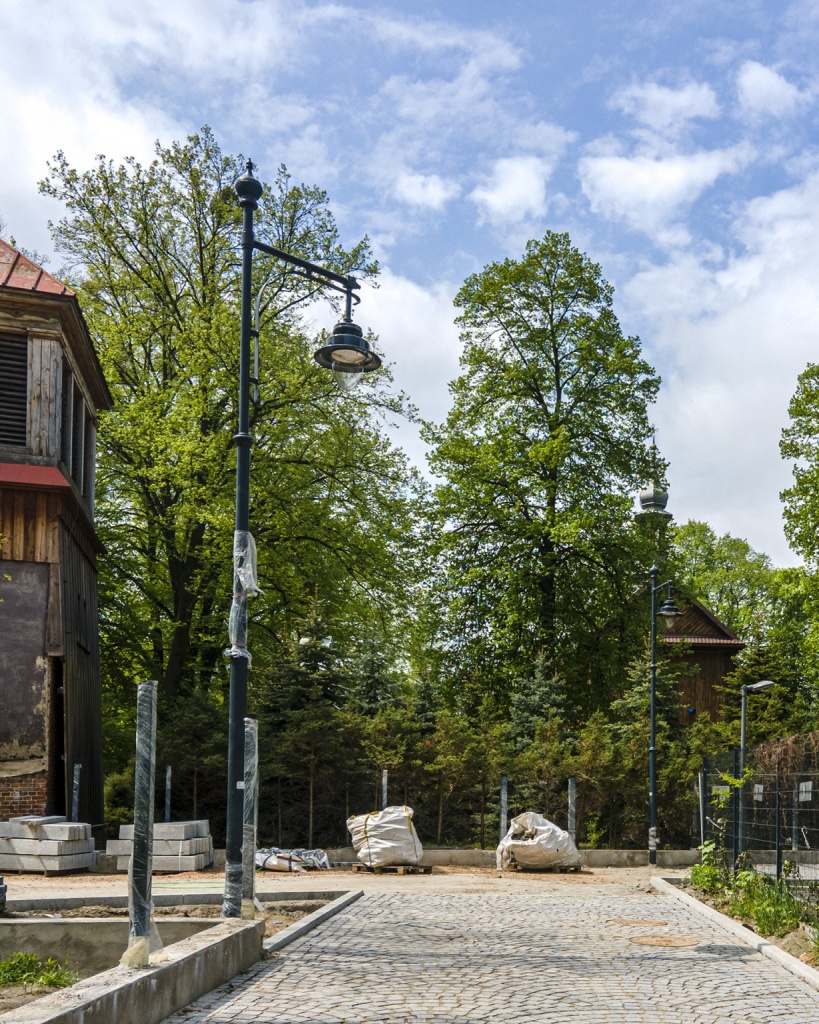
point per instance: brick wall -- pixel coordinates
(22, 794)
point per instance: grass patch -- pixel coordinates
(29, 970)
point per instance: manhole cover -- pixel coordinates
(637, 922)
(664, 940)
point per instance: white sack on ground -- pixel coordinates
(535, 842)
(384, 838)
(274, 859)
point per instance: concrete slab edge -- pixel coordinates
(307, 924)
(764, 946)
(192, 968)
(165, 899)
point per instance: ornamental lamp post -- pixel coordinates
(669, 612)
(348, 355)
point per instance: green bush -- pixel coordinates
(28, 969)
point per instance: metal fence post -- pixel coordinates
(778, 826)
(503, 804)
(250, 818)
(139, 879)
(735, 795)
(385, 775)
(168, 771)
(572, 819)
(75, 794)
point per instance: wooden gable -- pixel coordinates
(711, 648)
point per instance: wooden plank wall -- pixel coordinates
(44, 400)
(81, 678)
(29, 529)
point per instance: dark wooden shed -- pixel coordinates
(51, 389)
(711, 650)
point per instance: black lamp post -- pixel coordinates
(348, 355)
(669, 611)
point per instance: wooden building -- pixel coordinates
(710, 650)
(51, 389)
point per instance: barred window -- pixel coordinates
(13, 389)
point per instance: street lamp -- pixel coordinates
(348, 355)
(669, 612)
(763, 684)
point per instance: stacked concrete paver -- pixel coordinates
(39, 844)
(177, 846)
(542, 958)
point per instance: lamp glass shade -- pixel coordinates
(346, 380)
(669, 611)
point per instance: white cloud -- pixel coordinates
(735, 337)
(429, 191)
(763, 92)
(648, 191)
(514, 191)
(667, 110)
(419, 339)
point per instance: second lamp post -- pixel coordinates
(669, 611)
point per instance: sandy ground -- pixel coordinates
(442, 879)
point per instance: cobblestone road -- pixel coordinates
(561, 955)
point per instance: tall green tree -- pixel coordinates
(726, 574)
(153, 252)
(545, 445)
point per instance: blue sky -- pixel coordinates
(675, 142)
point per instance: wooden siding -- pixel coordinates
(28, 525)
(44, 375)
(81, 674)
(699, 690)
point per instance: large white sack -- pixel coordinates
(536, 842)
(386, 837)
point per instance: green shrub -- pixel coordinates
(28, 969)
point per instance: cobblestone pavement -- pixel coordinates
(562, 954)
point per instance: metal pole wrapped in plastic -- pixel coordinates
(139, 872)
(503, 806)
(251, 818)
(75, 795)
(384, 784)
(571, 825)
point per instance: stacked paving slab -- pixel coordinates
(37, 844)
(177, 846)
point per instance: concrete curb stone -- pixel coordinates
(764, 946)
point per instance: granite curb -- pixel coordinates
(762, 945)
(311, 921)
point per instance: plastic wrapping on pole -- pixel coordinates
(572, 817)
(168, 773)
(244, 585)
(143, 937)
(250, 818)
(384, 783)
(503, 806)
(75, 794)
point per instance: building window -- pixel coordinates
(13, 389)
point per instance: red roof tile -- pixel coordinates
(18, 271)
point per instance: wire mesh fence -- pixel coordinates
(767, 816)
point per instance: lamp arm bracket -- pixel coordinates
(344, 283)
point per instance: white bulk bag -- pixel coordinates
(535, 842)
(383, 838)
